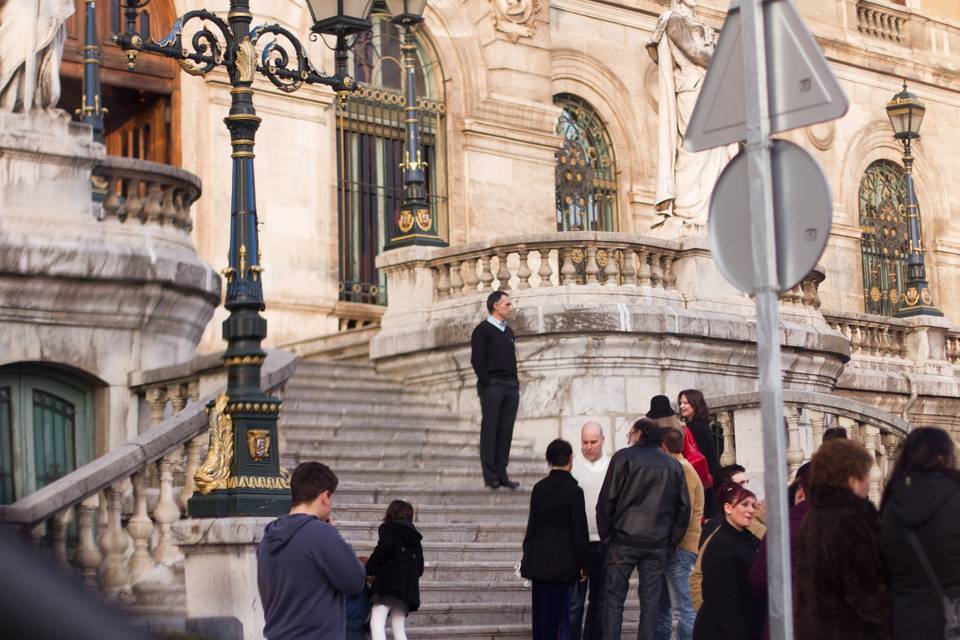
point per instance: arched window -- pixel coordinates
(586, 170)
(46, 428)
(370, 144)
(885, 242)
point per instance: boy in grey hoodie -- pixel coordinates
(304, 566)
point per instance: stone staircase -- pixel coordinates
(386, 443)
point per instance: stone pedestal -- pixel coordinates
(220, 569)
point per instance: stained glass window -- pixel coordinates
(370, 144)
(885, 241)
(586, 171)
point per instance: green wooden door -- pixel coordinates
(46, 429)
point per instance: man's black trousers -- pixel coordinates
(498, 403)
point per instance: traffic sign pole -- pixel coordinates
(763, 239)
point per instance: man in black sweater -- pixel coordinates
(494, 360)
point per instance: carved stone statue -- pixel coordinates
(32, 33)
(681, 46)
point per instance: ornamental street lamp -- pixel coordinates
(241, 474)
(906, 113)
(91, 112)
(415, 224)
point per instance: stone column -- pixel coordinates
(220, 569)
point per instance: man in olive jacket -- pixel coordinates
(642, 513)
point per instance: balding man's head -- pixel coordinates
(591, 441)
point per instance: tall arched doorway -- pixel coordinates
(46, 428)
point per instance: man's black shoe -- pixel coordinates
(509, 484)
(492, 485)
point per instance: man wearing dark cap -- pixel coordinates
(494, 359)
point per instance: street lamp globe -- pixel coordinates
(906, 113)
(407, 12)
(339, 17)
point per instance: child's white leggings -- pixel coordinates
(378, 622)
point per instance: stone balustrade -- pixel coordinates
(124, 503)
(149, 192)
(807, 292)
(877, 336)
(883, 21)
(808, 415)
(554, 259)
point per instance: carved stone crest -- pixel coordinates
(516, 18)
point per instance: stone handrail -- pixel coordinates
(882, 20)
(133, 483)
(553, 259)
(808, 415)
(150, 192)
(872, 335)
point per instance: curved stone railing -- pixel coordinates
(807, 293)
(554, 259)
(808, 415)
(872, 335)
(125, 502)
(150, 192)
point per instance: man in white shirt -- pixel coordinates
(589, 470)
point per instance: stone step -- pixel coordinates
(383, 421)
(502, 571)
(453, 478)
(363, 492)
(440, 531)
(351, 394)
(316, 435)
(475, 632)
(348, 445)
(456, 551)
(447, 614)
(368, 409)
(470, 513)
(371, 459)
(460, 591)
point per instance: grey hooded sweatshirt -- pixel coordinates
(304, 569)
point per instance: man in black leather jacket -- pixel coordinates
(642, 513)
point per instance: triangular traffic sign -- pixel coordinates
(802, 90)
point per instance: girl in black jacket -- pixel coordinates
(732, 609)
(396, 566)
(696, 415)
(923, 495)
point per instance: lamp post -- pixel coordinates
(906, 114)
(91, 111)
(241, 474)
(415, 224)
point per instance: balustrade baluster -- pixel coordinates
(179, 395)
(59, 524)
(472, 279)
(88, 552)
(165, 514)
(628, 272)
(592, 269)
(523, 270)
(194, 454)
(114, 576)
(568, 273)
(157, 400)
(456, 278)
(486, 275)
(168, 211)
(140, 527)
(613, 268)
(643, 268)
(856, 338)
(545, 271)
(111, 205)
(870, 442)
(132, 206)
(183, 210)
(656, 276)
(152, 207)
(443, 281)
(817, 422)
(503, 273)
(669, 277)
(727, 423)
(794, 452)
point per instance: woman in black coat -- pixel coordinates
(555, 544)
(694, 412)
(732, 609)
(923, 495)
(396, 566)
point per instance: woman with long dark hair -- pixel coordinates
(732, 609)
(695, 414)
(922, 498)
(396, 566)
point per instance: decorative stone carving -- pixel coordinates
(516, 18)
(681, 46)
(32, 34)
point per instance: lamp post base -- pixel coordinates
(917, 301)
(222, 503)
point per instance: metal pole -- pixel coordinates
(762, 234)
(90, 111)
(918, 300)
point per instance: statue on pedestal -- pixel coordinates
(32, 34)
(681, 46)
